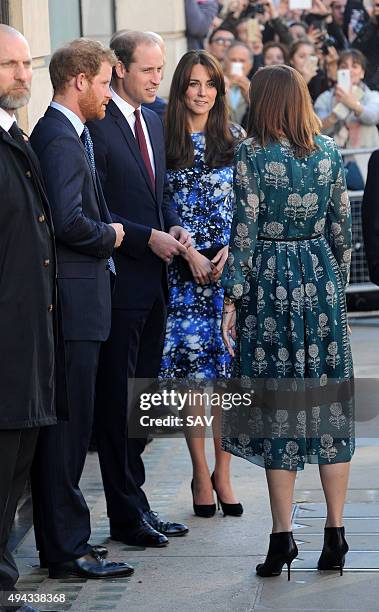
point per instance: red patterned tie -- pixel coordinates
(141, 140)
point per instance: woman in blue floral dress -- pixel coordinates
(288, 266)
(200, 148)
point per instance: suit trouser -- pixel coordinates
(133, 350)
(61, 516)
(16, 454)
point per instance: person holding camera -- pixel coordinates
(238, 64)
(350, 115)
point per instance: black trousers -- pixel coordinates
(16, 454)
(61, 516)
(133, 350)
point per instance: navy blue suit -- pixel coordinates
(84, 243)
(134, 348)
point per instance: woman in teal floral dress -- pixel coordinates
(288, 266)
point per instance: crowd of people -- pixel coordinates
(329, 36)
(142, 240)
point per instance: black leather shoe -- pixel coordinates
(102, 551)
(140, 533)
(89, 566)
(166, 527)
(334, 549)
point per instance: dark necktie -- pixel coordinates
(141, 141)
(16, 134)
(88, 145)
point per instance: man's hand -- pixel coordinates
(181, 234)
(165, 246)
(200, 266)
(118, 228)
(242, 82)
(219, 260)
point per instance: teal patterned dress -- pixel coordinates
(288, 267)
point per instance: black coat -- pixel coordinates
(84, 238)
(27, 292)
(132, 202)
(370, 217)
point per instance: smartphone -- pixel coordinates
(304, 5)
(344, 79)
(236, 68)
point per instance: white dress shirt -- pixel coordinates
(71, 116)
(128, 112)
(6, 120)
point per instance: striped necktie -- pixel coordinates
(88, 145)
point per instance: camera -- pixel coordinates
(253, 9)
(327, 41)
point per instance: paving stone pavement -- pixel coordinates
(213, 567)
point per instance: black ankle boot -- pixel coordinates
(282, 550)
(334, 549)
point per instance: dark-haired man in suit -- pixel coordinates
(85, 236)
(130, 157)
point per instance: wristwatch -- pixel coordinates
(228, 301)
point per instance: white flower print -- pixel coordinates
(281, 301)
(270, 334)
(281, 425)
(269, 272)
(311, 299)
(249, 329)
(242, 239)
(313, 359)
(273, 229)
(331, 298)
(300, 362)
(328, 451)
(302, 422)
(333, 358)
(259, 365)
(323, 329)
(297, 301)
(283, 365)
(276, 174)
(318, 270)
(252, 210)
(337, 418)
(290, 457)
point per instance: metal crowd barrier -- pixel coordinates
(359, 277)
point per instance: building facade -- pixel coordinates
(48, 24)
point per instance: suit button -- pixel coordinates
(46, 262)
(50, 308)
(41, 218)
(28, 174)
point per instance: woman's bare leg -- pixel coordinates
(280, 487)
(334, 480)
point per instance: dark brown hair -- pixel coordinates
(281, 107)
(218, 137)
(79, 56)
(303, 42)
(356, 56)
(276, 45)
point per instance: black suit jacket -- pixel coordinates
(370, 217)
(27, 291)
(83, 237)
(133, 202)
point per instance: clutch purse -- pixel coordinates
(183, 267)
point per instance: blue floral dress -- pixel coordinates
(202, 197)
(288, 266)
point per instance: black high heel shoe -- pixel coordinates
(282, 550)
(203, 510)
(334, 549)
(228, 509)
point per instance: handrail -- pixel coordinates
(357, 151)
